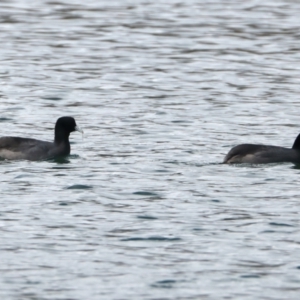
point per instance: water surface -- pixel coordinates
(143, 209)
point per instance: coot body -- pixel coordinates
(16, 148)
(262, 154)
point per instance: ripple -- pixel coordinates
(147, 217)
(79, 187)
(280, 224)
(146, 193)
(152, 238)
(166, 284)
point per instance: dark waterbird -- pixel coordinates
(15, 148)
(263, 154)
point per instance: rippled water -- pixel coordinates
(142, 209)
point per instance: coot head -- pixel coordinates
(63, 127)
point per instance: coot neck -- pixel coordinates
(61, 136)
(296, 145)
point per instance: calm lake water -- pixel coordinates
(142, 208)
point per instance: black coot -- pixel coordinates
(262, 154)
(15, 148)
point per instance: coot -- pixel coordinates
(15, 148)
(262, 154)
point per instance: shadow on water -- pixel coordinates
(63, 159)
(256, 166)
(60, 160)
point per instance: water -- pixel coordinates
(142, 209)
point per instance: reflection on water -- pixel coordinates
(162, 90)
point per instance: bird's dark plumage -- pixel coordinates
(15, 148)
(262, 154)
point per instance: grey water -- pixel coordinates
(142, 208)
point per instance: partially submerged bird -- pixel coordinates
(262, 154)
(16, 148)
